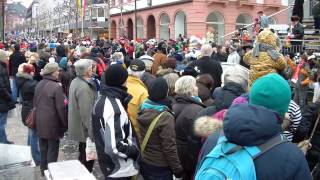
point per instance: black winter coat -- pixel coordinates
(224, 96)
(15, 60)
(27, 86)
(185, 109)
(6, 103)
(206, 65)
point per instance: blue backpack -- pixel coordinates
(228, 161)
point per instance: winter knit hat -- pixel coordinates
(158, 89)
(272, 92)
(50, 68)
(116, 75)
(137, 65)
(63, 63)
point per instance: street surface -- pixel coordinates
(18, 133)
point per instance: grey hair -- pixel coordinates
(171, 79)
(82, 66)
(137, 74)
(148, 64)
(206, 50)
(117, 56)
(186, 85)
(237, 74)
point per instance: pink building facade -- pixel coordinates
(189, 18)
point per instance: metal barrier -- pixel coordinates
(298, 46)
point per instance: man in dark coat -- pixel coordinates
(16, 58)
(206, 65)
(6, 103)
(51, 114)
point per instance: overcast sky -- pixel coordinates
(26, 3)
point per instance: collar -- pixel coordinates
(50, 78)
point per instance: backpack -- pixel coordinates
(228, 161)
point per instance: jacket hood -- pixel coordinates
(206, 125)
(227, 94)
(250, 125)
(22, 78)
(116, 92)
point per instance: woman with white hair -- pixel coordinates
(235, 82)
(206, 65)
(186, 107)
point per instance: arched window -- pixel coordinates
(243, 20)
(272, 20)
(151, 27)
(164, 27)
(215, 26)
(180, 24)
(140, 28)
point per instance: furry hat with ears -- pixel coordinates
(204, 126)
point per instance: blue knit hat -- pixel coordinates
(63, 63)
(271, 91)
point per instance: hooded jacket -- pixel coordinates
(185, 109)
(27, 86)
(224, 96)
(139, 94)
(161, 149)
(249, 125)
(116, 144)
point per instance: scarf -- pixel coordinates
(263, 47)
(296, 73)
(148, 104)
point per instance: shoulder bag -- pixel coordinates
(31, 118)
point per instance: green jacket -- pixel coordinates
(82, 95)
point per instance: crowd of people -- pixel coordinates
(167, 109)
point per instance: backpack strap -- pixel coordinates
(149, 131)
(270, 144)
(263, 148)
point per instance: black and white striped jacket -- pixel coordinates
(116, 145)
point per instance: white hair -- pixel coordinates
(206, 50)
(237, 74)
(137, 74)
(82, 66)
(117, 56)
(186, 85)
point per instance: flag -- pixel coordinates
(84, 6)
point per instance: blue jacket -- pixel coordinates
(249, 125)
